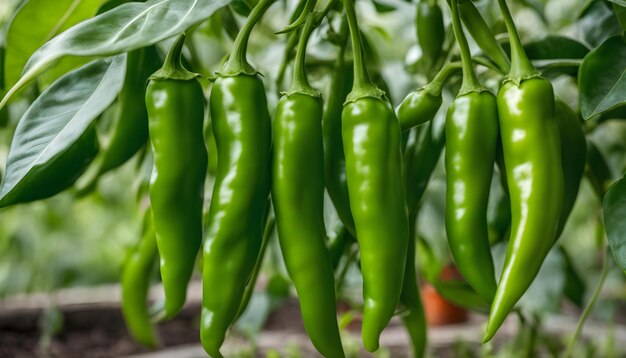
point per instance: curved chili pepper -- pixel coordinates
(372, 146)
(471, 141)
(129, 130)
(415, 319)
(298, 197)
(421, 106)
(242, 129)
(334, 158)
(175, 103)
(421, 156)
(135, 284)
(532, 157)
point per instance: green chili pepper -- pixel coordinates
(421, 106)
(573, 158)
(372, 146)
(471, 141)
(242, 129)
(430, 30)
(421, 156)
(532, 157)
(298, 197)
(175, 103)
(414, 319)
(135, 282)
(334, 158)
(129, 130)
(481, 33)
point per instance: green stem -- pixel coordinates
(470, 80)
(237, 62)
(173, 68)
(344, 270)
(435, 87)
(481, 33)
(300, 82)
(590, 304)
(300, 20)
(521, 67)
(362, 85)
(322, 14)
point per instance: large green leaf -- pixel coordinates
(23, 37)
(614, 205)
(55, 139)
(597, 23)
(124, 28)
(602, 78)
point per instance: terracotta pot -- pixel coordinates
(439, 311)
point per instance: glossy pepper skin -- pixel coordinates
(298, 197)
(471, 139)
(241, 124)
(421, 106)
(532, 156)
(175, 103)
(129, 130)
(242, 129)
(430, 30)
(135, 282)
(418, 107)
(372, 145)
(573, 158)
(372, 142)
(298, 193)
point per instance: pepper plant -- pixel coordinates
(457, 136)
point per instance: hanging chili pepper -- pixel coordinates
(424, 147)
(430, 30)
(242, 129)
(414, 319)
(175, 104)
(372, 146)
(334, 158)
(129, 130)
(298, 197)
(471, 139)
(135, 282)
(532, 157)
(421, 106)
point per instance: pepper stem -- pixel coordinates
(237, 62)
(362, 85)
(435, 87)
(300, 81)
(173, 68)
(470, 80)
(521, 67)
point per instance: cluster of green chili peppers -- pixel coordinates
(351, 146)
